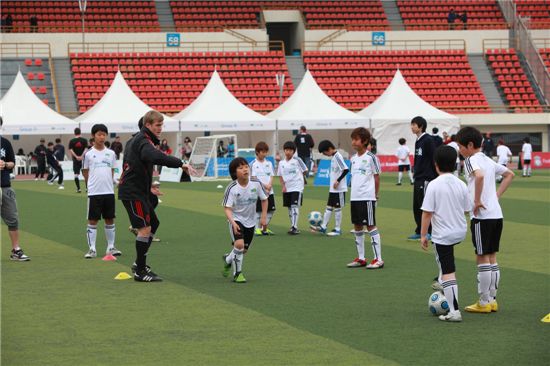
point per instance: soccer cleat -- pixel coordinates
(50, 182)
(356, 263)
(91, 254)
(114, 252)
(18, 255)
(318, 229)
(268, 232)
(414, 237)
(436, 285)
(293, 231)
(478, 308)
(494, 306)
(258, 232)
(133, 231)
(398, 183)
(375, 264)
(334, 233)
(155, 239)
(134, 268)
(61, 187)
(239, 278)
(78, 191)
(452, 316)
(146, 276)
(226, 267)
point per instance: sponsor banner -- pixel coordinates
(540, 160)
(388, 163)
(322, 178)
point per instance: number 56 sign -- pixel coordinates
(378, 38)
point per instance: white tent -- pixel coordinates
(23, 113)
(120, 110)
(392, 112)
(216, 109)
(310, 106)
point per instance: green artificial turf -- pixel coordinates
(301, 305)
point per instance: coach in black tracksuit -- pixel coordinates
(424, 169)
(141, 154)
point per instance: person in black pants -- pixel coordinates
(40, 153)
(54, 164)
(424, 169)
(77, 147)
(304, 143)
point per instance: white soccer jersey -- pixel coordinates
(263, 170)
(363, 169)
(242, 201)
(527, 149)
(489, 199)
(100, 165)
(292, 172)
(337, 166)
(447, 197)
(402, 154)
(454, 145)
(503, 153)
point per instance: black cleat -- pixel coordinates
(293, 231)
(146, 276)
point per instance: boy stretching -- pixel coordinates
(486, 217)
(262, 169)
(445, 203)
(239, 204)
(365, 183)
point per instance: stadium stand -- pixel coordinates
(355, 79)
(101, 16)
(512, 80)
(537, 10)
(170, 81)
(545, 54)
(214, 15)
(432, 14)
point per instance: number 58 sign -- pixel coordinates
(172, 39)
(378, 38)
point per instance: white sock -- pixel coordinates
(360, 244)
(483, 282)
(450, 289)
(495, 278)
(229, 257)
(337, 218)
(376, 243)
(91, 234)
(238, 257)
(269, 217)
(258, 216)
(524, 170)
(399, 177)
(529, 170)
(411, 176)
(326, 217)
(110, 235)
(294, 212)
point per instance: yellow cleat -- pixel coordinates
(494, 306)
(478, 308)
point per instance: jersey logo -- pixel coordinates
(419, 151)
(3, 153)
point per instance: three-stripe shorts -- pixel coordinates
(486, 235)
(363, 213)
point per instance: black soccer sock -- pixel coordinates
(77, 182)
(142, 246)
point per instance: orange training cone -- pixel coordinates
(109, 257)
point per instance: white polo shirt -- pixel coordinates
(100, 165)
(263, 171)
(242, 201)
(292, 172)
(337, 166)
(503, 153)
(402, 154)
(527, 150)
(489, 199)
(363, 169)
(447, 197)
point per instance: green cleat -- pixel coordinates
(239, 278)
(269, 232)
(226, 267)
(258, 232)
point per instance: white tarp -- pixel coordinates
(310, 106)
(392, 112)
(120, 110)
(23, 113)
(216, 109)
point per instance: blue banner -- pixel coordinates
(322, 178)
(223, 165)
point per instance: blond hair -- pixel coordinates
(151, 117)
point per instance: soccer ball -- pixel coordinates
(314, 218)
(437, 303)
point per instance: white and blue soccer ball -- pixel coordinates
(437, 303)
(314, 218)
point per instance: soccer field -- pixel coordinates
(301, 305)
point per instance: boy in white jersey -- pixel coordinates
(239, 204)
(337, 190)
(98, 170)
(403, 161)
(526, 152)
(262, 169)
(486, 216)
(454, 145)
(365, 183)
(291, 172)
(503, 155)
(446, 201)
